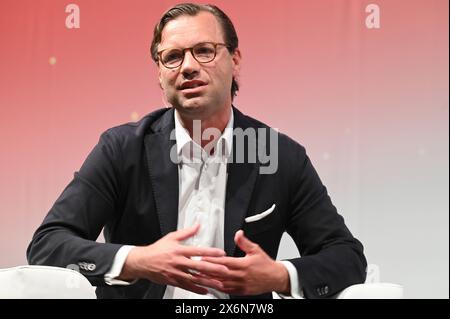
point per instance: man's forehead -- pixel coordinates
(189, 30)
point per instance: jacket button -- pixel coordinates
(87, 266)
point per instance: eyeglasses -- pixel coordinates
(203, 52)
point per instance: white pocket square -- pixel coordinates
(260, 216)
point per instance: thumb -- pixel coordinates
(245, 244)
(183, 234)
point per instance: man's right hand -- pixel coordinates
(169, 262)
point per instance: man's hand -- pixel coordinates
(254, 274)
(168, 262)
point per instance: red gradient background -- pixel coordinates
(370, 106)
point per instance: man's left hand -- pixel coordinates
(254, 274)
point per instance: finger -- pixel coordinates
(204, 267)
(184, 234)
(230, 284)
(245, 244)
(189, 251)
(186, 281)
(197, 289)
(229, 276)
(206, 282)
(232, 288)
(229, 262)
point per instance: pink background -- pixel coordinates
(370, 106)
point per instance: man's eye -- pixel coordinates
(204, 51)
(173, 56)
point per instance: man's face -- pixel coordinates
(198, 90)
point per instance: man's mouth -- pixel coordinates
(192, 86)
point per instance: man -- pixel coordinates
(183, 215)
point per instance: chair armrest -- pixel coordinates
(372, 291)
(44, 282)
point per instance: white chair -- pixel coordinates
(371, 289)
(44, 282)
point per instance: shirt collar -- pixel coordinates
(183, 138)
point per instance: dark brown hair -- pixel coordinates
(192, 9)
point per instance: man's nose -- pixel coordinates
(190, 66)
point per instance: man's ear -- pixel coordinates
(237, 57)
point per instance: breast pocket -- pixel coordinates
(261, 221)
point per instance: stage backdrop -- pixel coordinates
(363, 85)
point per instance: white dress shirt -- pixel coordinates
(202, 190)
(202, 186)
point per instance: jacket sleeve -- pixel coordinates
(331, 258)
(67, 236)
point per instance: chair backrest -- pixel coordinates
(44, 282)
(372, 274)
(372, 288)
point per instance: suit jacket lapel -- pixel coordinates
(240, 184)
(163, 172)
